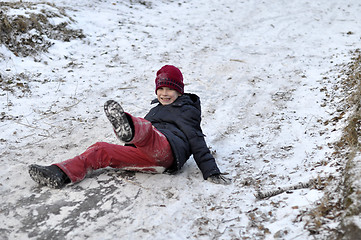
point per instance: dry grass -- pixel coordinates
(352, 83)
(32, 33)
(335, 204)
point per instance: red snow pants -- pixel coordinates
(151, 154)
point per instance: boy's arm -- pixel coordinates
(201, 153)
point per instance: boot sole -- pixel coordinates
(42, 176)
(118, 119)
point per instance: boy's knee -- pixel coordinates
(99, 145)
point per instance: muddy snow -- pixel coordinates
(264, 73)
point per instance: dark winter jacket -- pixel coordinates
(180, 123)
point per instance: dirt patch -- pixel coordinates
(352, 139)
(28, 29)
(342, 199)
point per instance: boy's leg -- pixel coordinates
(101, 155)
(152, 150)
(139, 132)
(151, 142)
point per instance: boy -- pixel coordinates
(162, 141)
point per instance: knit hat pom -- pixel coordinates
(169, 76)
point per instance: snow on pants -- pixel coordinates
(151, 154)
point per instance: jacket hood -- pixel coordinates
(187, 98)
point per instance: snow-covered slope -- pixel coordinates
(260, 68)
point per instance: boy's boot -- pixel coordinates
(118, 118)
(51, 176)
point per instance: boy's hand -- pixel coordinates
(219, 179)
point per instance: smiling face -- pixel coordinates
(166, 95)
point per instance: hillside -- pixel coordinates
(274, 110)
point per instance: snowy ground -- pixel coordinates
(261, 69)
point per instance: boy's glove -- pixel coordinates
(219, 179)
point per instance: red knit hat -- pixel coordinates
(169, 76)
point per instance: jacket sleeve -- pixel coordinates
(191, 127)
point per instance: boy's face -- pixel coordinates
(166, 95)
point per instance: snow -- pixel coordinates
(259, 68)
